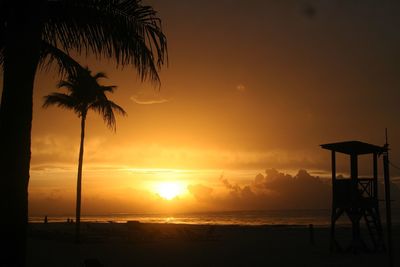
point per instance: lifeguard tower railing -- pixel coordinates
(349, 193)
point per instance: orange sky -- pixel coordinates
(251, 85)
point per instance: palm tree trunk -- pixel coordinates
(20, 63)
(79, 180)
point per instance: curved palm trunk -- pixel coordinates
(21, 59)
(79, 181)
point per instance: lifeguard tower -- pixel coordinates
(356, 197)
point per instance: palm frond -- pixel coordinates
(66, 84)
(99, 75)
(125, 30)
(50, 55)
(66, 101)
(106, 109)
(117, 108)
(60, 100)
(109, 88)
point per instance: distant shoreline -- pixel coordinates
(183, 224)
(320, 218)
(280, 217)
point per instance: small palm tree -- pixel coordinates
(84, 93)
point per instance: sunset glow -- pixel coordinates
(169, 190)
(251, 93)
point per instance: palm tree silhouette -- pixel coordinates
(32, 33)
(84, 94)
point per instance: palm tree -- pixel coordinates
(84, 94)
(31, 32)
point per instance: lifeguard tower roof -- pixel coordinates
(354, 148)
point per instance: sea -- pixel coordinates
(270, 217)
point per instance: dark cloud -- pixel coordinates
(301, 191)
(234, 189)
(277, 190)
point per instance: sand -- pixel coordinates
(138, 244)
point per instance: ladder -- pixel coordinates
(374, 226)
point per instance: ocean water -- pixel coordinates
(281, 217)
(275, 217)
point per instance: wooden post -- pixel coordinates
(388, 205)
(375, 173)
(354, 215)
(333, 214)
(354, 166)
(333, 163)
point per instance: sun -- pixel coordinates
(169, 190)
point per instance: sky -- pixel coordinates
(252, 88)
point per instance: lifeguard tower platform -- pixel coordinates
(356, 197)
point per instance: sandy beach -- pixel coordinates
(139, 244)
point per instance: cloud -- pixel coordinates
(148, 98)
(277, 190)
(54, 149)
(149, 101)
(228, 185)
(61, 151)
